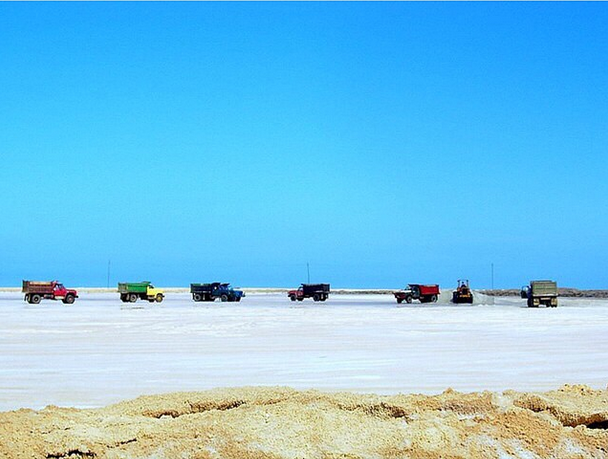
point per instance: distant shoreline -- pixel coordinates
(563, 292)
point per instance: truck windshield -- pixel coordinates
(59, 287)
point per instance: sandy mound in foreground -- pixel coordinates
(273, 423)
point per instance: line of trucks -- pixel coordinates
(539, 292)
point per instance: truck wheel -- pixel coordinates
(434, 298)
(35, 299)
(408, 299)
(399, 300)
(197, 297)
(224, 298)
(27, 298)
(531, 303)
(159, 298)
(292, 298)
(123, 298)
(316, 297)
(237, 299)
(69, 299)
(132, 298)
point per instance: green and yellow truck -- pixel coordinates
(131, 291)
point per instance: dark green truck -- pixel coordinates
(540, 292)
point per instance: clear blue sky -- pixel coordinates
(384, 143)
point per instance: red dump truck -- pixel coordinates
(318, 292)
(52, 290)
(424, 293)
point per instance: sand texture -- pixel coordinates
(284, 423)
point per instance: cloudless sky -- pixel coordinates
(383, 143)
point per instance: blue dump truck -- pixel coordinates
(215, 290)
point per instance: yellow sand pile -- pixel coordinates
(282, 423)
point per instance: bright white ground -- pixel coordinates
(99, 350)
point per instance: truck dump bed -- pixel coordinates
(315, 288)
(429, 289)
(203, 288)
(37, 287)
(133, 287)
(543, 288)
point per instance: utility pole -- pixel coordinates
(308, 271)
(492, 276)
(108, 274)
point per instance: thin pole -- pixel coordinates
(308, 271)
(108, 273)
(492, 276)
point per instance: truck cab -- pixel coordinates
(62, 293)
(226, 293)
(155, 294)
(297, 294)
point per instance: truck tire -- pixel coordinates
(35, 299)
(123, 297)
(238, 299)
(69, 299)
(292, 298)
(132, 298)
(197, 297)
(159, 298)
(531, 303)
(399, 300)
(434, 298)
(316, 297)
(408, 299)
(27, 298)
(224, 298)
